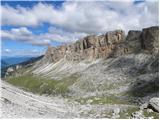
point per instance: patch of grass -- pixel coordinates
(154, 114)
(40, 85)
(102, 100)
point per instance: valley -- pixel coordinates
(108, 76)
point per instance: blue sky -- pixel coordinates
(29, 27)
(9, 47)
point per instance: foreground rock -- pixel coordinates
(154, 104)
(138, 115)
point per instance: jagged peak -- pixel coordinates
(112, 43)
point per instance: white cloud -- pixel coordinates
(7, 50)
(54, 34)
(85, 17)
(22, 52)
(21, 31)
(21, 34)
(19, 16)
(42, 42)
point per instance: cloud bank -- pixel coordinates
(74, 20)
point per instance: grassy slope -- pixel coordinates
(102, 100)
(42, 85)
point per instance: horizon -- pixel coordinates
(29, 27)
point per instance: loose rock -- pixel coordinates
(154, 104)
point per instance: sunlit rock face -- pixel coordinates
(89, 47)
(111, 44)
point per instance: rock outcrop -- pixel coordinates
(154, 104)
(9, 71)
(150, 39)
(132, 44)
(90, 47)
(111, 44)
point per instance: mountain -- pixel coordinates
(112, 44)
(7, 61)
(24, 62)
(113, 69)
(3, 64)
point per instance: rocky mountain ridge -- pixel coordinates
(111, 44)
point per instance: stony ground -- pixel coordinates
(111, 88)
(17, 103)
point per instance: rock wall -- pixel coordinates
(150, 37)
(111, 44)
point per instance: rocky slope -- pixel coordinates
(110, 69)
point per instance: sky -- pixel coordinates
(27, 28)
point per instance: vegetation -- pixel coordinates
(149, 114)
(102, 100)
(42, 85)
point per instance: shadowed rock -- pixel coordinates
(150, 39)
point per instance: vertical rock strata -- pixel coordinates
(111, 44)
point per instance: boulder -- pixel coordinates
(137, 115)
(149, 110)
(154, 104)
(10, 70)
(116, 111)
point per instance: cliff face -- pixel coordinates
(111, 44)
(150, 39)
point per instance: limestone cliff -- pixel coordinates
(111, 44)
